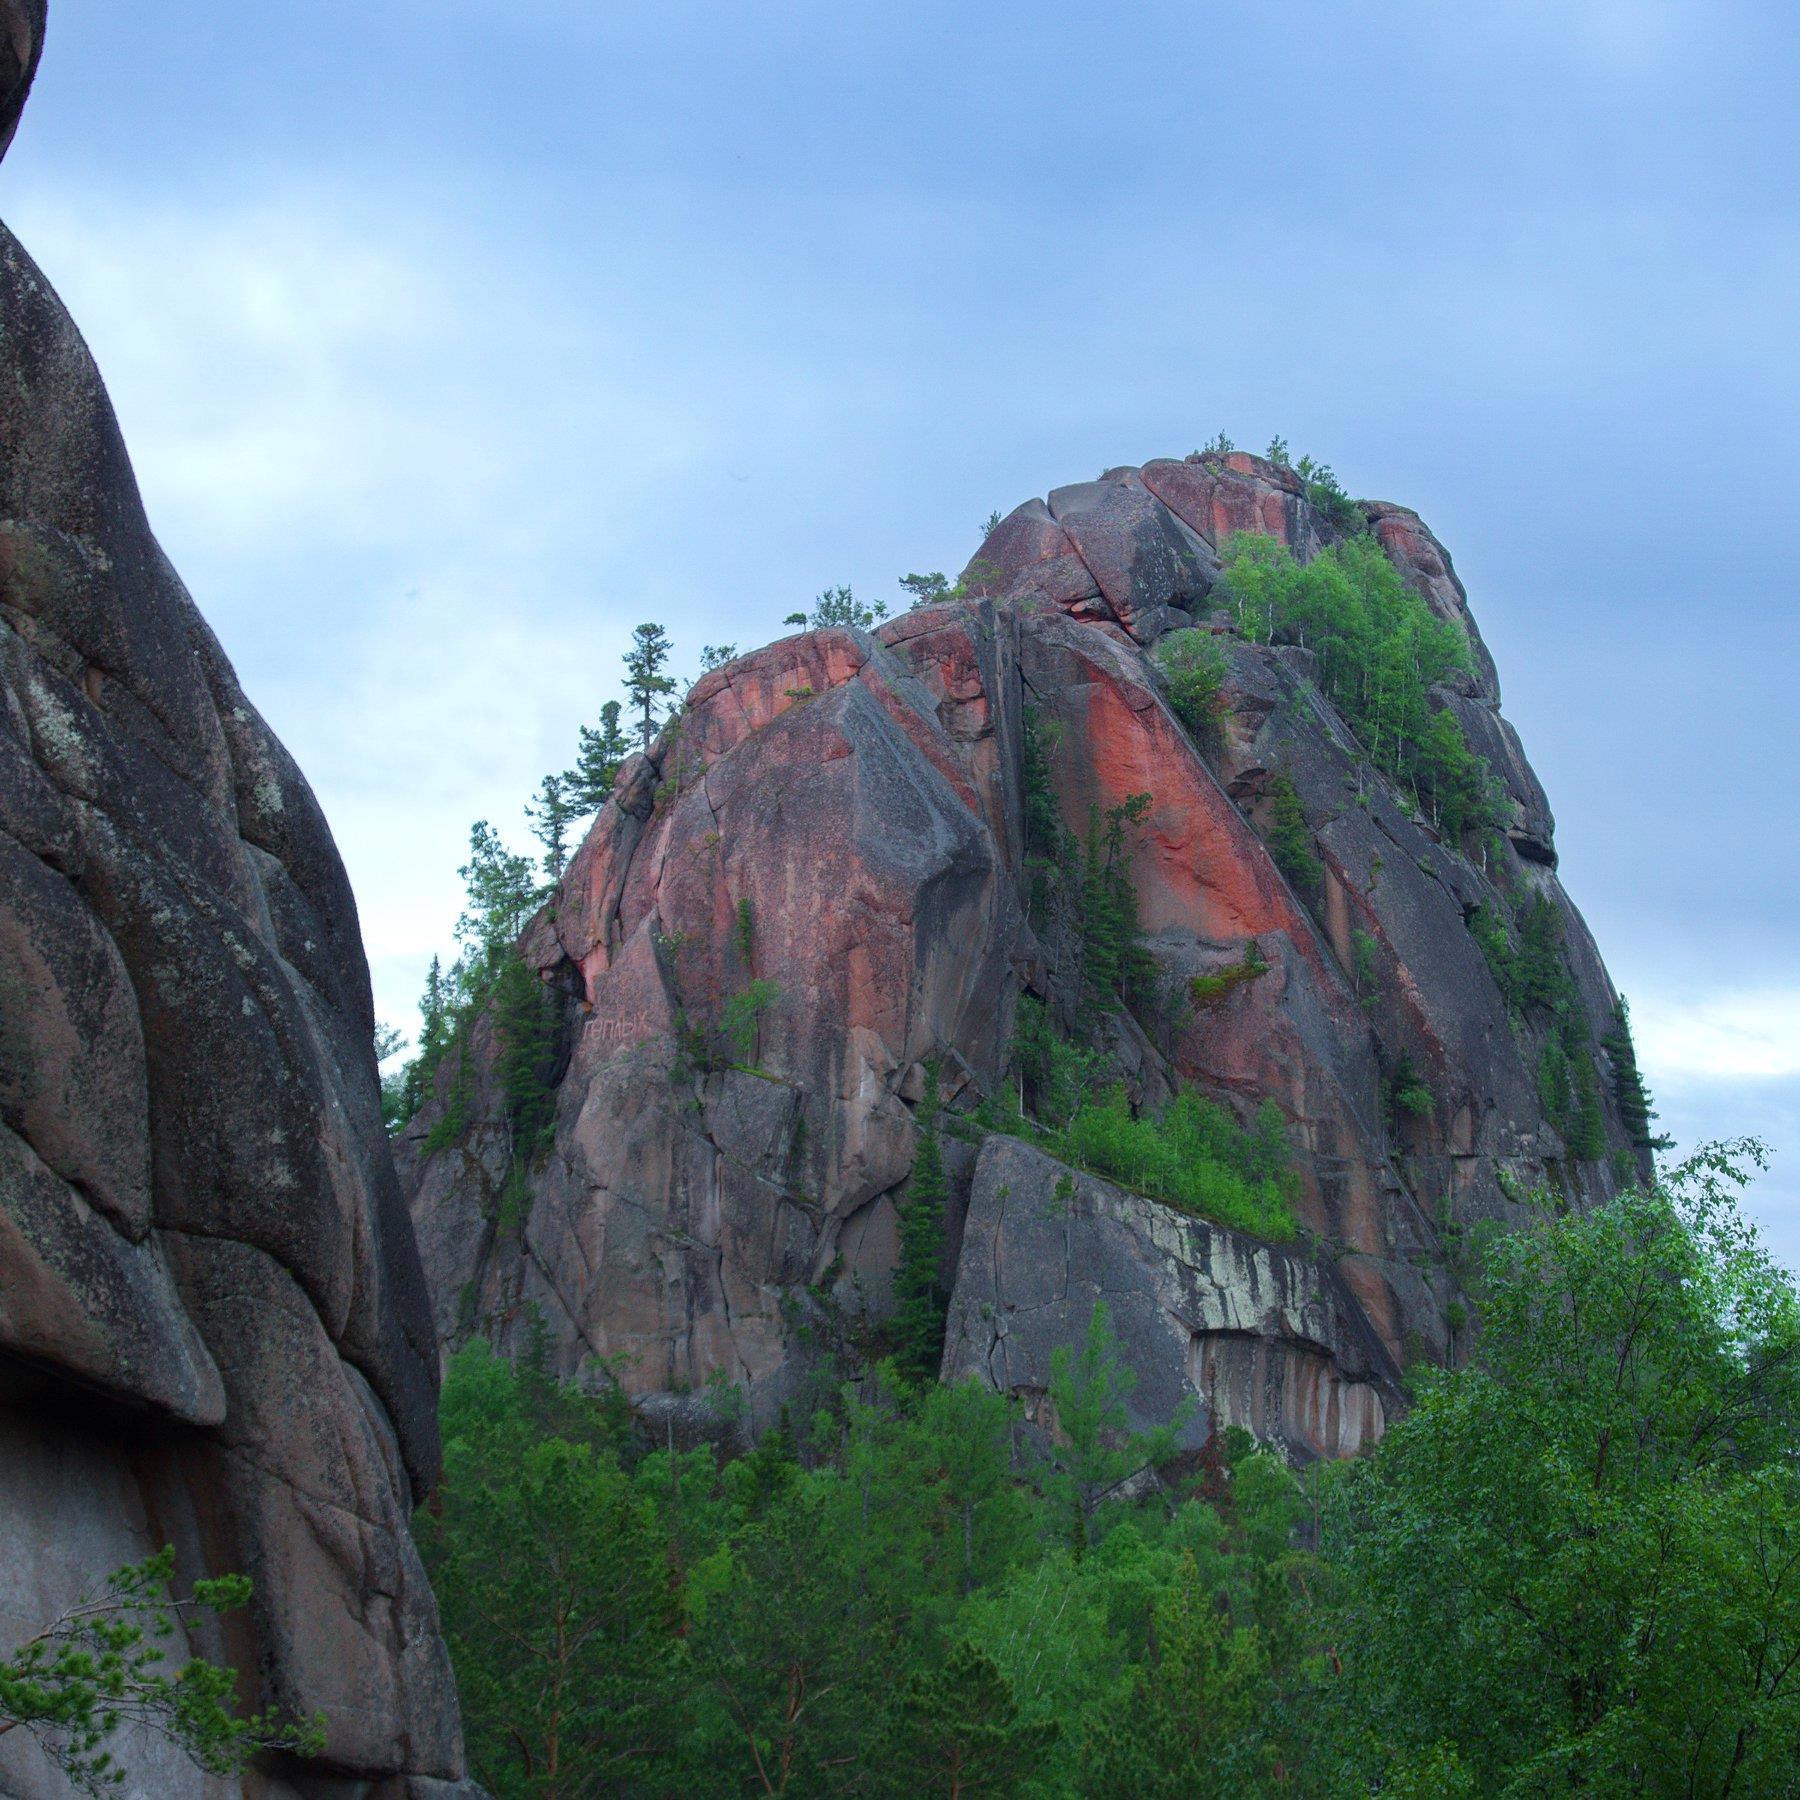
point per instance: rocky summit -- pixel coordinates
(855, 891)
(214, 1333)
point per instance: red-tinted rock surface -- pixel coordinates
(213, 1327)
(863, 799)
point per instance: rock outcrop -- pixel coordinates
(842, 815)
(214, 1332)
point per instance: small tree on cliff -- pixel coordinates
(838, 606)
(550, 814)
(99, 1666)
(646, 686)
(601, 750)
(501, 892)
(919, 1308)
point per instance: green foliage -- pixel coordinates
(839, 607)
(1574, 1567)
(1094, 1447)
(920, 1301)
(1205, 990)
(716, 656)
(550, 815)
(646, 687)
(1327, 496)
(501, 893)
(1380, 651)
(1277, 452)
(1194, 665)
(1404, 1091)
(99, 1667)
(1114, 963)
(553, 1590)
(1602, 1516)
(1364, 950)
(743, 930)
(600, 751)
(1629, 1089)
(740, 1019)
(1053, 1073)
(1045, 834)
(525, 1022)
(1291, 838)
(1196, 1158)
(1220, 445)
(959, 1731)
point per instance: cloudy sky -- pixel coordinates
(452, 340)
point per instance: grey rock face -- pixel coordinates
(1235, 1331)
(213, 1321)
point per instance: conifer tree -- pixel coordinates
(918, 1290)
(646, 686)
(1633, 1097)
(602, 749)
(550, 814)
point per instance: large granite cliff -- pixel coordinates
(214, 1332)
(859, 799)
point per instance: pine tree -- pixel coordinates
(1633, 1097)
(602, 749)
(550, 814)
(957, 1730)
(435, 1027)
(1587, 1126)
(919, 1309)
(646, 686)
(501, 895)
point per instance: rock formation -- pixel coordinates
(842, 815)
(213, 1328)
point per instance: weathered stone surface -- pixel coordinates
(867, 797)
(212, 1314)
(685, 1210)
(21, 44)
(1235, 1331)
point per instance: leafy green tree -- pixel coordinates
(1194, 665)
(957, 1732)
(919, 1297)
(1197, 1725)
(1602, 1515)
(500, 895)
(600, 751)
(554, 1595)
(839, 607)
(1291, 838)
(716, 656)
(646, 687)
(551, 813)
(1096, 1449)
(99, 1666)
(740, 1019)
(927, 590)
(794, 1648)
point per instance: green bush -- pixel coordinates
(1196, 1157)
(1380, 651)
(1194, 665)
(1291, 838)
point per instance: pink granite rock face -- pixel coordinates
(211, 1305)
(863, 798)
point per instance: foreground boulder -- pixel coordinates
(214, 1331)
(852, 829)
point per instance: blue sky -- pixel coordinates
(451, 341)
